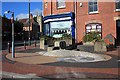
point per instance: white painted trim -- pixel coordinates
(61, 7)
(57, 19)
(117, 10)
(95, 12)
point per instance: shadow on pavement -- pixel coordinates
(81, 76)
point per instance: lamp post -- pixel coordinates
(29, 24)
(12, 20)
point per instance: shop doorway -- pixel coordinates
(118, 32)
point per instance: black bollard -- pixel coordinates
(35, 42)
(118, 50)
(8, 47)
(24, 45)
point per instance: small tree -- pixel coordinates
(35, 19)
(4, 16)
(18, 26)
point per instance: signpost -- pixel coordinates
(12, 21)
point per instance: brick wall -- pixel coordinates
(69, 8)
(106, 16)
(51, 8)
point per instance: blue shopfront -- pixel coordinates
(56, 25)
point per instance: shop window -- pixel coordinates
(47, 29)
(94, 27)
(61, 4)
(93, 6)
(117, 5)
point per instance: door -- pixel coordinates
(118, 32)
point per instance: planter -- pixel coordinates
(57, 43)
(50, 48)
(100, 47)
(68, 42)
(86, 48)
(42, 43)
(88, 43)
(50, 42)
(45, 47)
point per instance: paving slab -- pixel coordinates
(16, 75)
(29, 58)
(48, 69)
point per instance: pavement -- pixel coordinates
(47, 67)
(15, 75)
(29, 58)
(17, 44)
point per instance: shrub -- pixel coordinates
(66, 36)
(92, 37)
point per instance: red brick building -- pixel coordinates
(50, 8)
(34, 27)
(26, 23)
(6, 28)
(92, 15)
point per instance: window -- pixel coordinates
(94, 27)
(47, 29)
(93, 6)
(117, 5)
(60, 3)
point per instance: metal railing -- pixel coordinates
(23, 43)
(118, 49)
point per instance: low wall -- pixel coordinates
(97, 47)
(87, 48)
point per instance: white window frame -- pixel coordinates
(89, 28)
(116, 2)
(92, 12)
(59, 2)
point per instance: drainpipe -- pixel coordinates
(75, 10)
(51, 7)
(49, 24)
